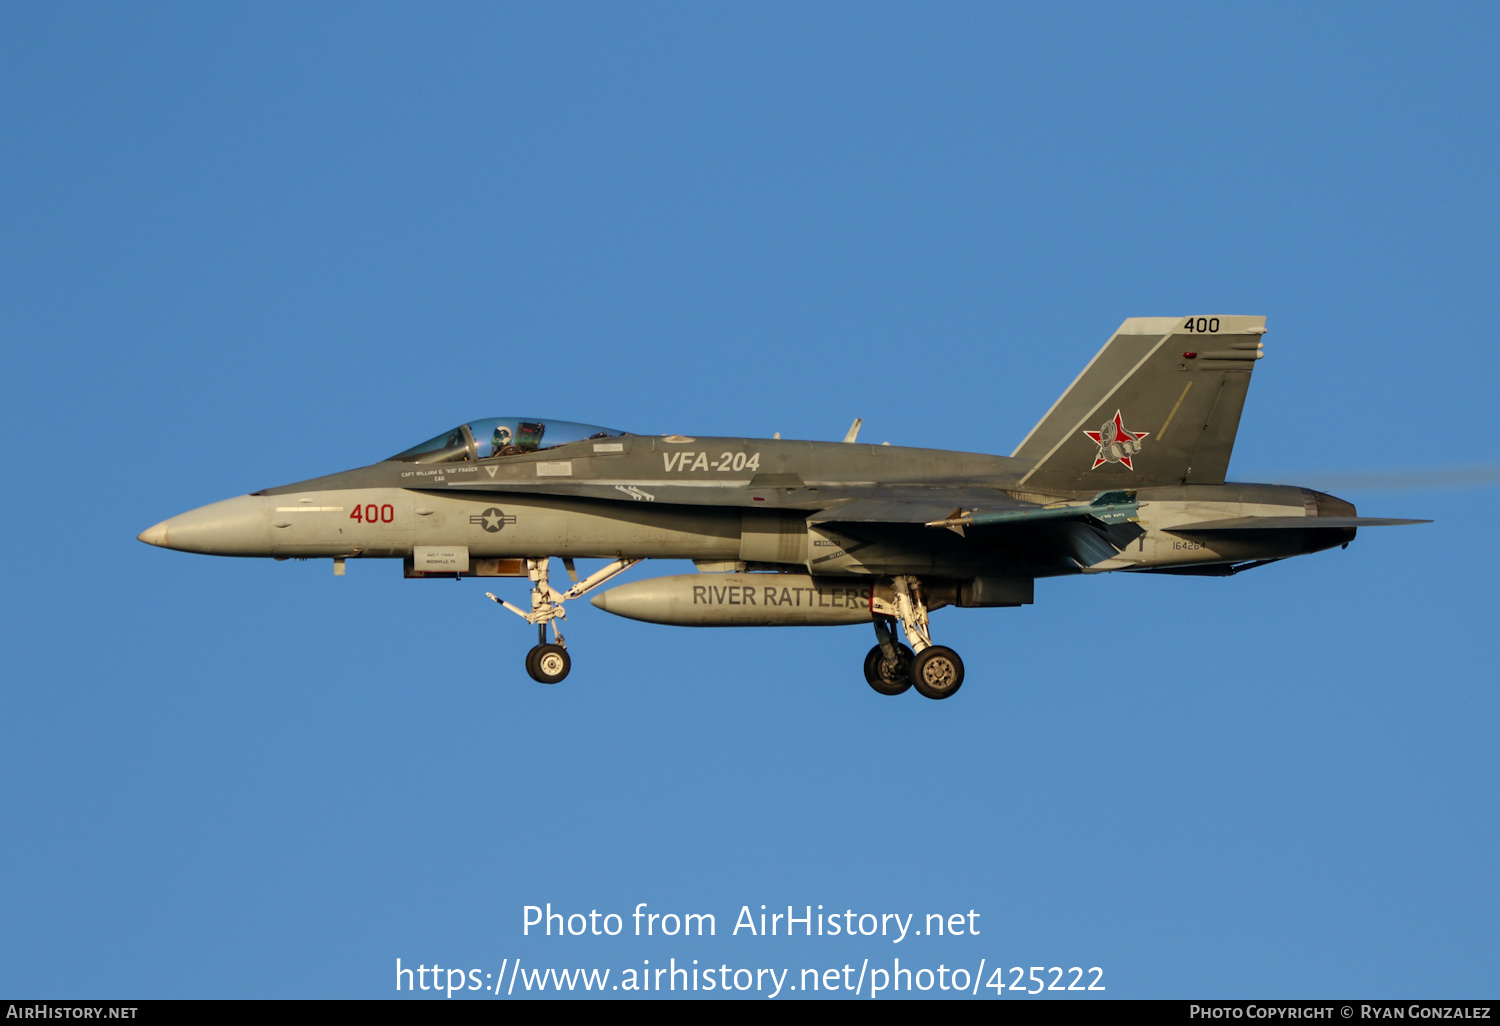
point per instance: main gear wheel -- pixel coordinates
(937, 672)
(889, 676)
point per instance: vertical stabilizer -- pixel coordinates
(1159, 404)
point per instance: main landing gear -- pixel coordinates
(551, 663)
(891, 668)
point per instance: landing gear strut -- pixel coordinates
(888, 666)
(551, 663)
(935, 671)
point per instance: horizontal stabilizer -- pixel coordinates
(1288, 524)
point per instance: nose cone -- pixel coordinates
(155, 535)
(234, 527)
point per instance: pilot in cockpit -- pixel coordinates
(527, 437)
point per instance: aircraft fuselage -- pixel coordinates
(732, 500)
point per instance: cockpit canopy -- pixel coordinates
(501, 436)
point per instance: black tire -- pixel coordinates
(937, 673)
(548, 663)
(884, 676)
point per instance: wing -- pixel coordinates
(924, 505)
(998, 530)
(958, 508)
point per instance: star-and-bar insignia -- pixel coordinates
(1116, 444)
(492, 519)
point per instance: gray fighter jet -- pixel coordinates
(1125, 472)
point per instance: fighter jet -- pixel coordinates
(1126, 472)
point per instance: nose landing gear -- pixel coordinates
(546, 663)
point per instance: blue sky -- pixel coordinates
(242, 245)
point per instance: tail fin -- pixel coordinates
(1159, 404)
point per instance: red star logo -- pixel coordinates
(1116, 444)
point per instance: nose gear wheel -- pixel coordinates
(548, 664)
